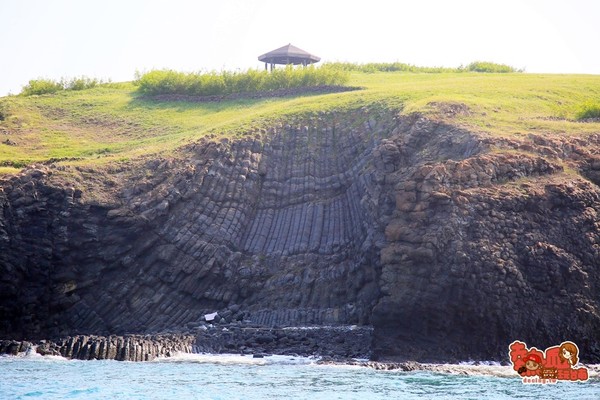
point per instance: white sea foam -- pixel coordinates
(476, 363)
(490, 368)
(32, 354)
(465, 368)
(236, 359)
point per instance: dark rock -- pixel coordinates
(400, 222)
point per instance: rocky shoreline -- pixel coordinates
(90, 347)
(463, 368)
(333, 343)
(334, 346)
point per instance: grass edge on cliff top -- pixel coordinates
(158, 82)
(113, 122)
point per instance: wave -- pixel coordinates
(32, 354)
(235, 359)
(491, 368)
(466, 368)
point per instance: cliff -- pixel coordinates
(449, 243)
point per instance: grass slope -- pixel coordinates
(112, 123)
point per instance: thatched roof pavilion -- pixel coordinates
(288, 54)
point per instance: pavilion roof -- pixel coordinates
(289, 54)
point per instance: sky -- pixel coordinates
(112, 39)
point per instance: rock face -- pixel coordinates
(449, 250)
(335, 343)
(341, 342)
(120, 348)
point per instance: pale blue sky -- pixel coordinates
(111, 39)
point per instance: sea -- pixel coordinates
(205, 376)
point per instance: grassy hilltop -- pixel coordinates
(113, 122)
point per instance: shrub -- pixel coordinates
(388, 67)
(226, 82)
(484, 66)
(48, 86)
(41, 86)
(155, 82)
(589, 109)
(3, 111)
(81, 83)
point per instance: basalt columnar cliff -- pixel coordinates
(449, 243)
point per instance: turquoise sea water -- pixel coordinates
(277, 377)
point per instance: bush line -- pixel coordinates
(477, 66)
(159, 82)
(49, 86)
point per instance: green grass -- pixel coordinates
(111, 122)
